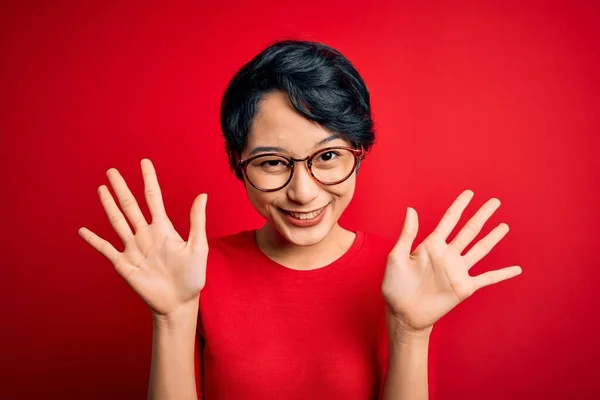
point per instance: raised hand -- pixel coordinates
(421, 287)
(157, 263)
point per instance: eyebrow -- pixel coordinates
(262, 149)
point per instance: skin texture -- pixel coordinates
(277, 124)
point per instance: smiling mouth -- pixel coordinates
(304, 215)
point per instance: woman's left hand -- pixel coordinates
(421, 287)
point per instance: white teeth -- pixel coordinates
(309, 215)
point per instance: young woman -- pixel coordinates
(301, 308)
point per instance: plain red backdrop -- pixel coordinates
(498, 97)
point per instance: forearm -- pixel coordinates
(172, 369)
(406, 377)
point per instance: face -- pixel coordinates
(277, 124)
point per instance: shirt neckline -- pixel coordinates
(336, 265)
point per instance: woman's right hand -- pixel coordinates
(157, 263)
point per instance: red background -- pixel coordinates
(498, 97)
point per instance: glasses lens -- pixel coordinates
(268, 172)
(333, 165)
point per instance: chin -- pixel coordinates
(305, 238)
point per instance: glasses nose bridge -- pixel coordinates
(306, 161)
(299, 159)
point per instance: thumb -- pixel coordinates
(197, 239)
(409, 232)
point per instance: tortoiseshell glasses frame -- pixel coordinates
(358, 154)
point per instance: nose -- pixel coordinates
(302, 189)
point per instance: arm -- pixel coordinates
(422, 286)
(172, 368)
(167, 272)
(406, 377)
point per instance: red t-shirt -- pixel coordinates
(266, 331)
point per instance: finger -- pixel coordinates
(103, 246)
(107, 250)
(492, 277)
(409, 233)
(453, 214)
(474, 225)
(115, 216)
(197, 239)
(126, 199)
(152, 191)
(485, 245)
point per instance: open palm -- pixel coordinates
(422, 286)
(163, 269)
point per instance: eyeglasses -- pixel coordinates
(269, 172)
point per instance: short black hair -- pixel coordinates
(322, 85)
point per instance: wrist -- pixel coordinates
(182, 316)
(401, 332)
(401, 338)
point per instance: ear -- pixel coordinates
(361, 158)
(237, 156)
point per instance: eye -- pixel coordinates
(271, 163)
(327, 156)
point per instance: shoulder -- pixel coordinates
(372, 252)
(236, 241)
(229, 255)
(375, 243)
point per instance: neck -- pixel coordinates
(293, 256)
